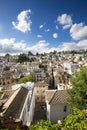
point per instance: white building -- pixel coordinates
(56, 103)
(20, 106)
(71, 67)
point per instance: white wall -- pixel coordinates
(48, 111)
(57, 112)
(28, 109)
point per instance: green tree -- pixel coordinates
(30, 53)
(75, 121)
(77, 96)
(22, 58)
(45, 125)
(26, 79)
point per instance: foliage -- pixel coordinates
(78, 94)
(43, 66)
(75, 121)
(56, 126)
(22, 58)
(45, 125)
(30, 53)
(26, 79)
(7, 55)
(18, 128)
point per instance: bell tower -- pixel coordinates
(52, 81)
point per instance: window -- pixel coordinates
(37, 99)
(65, 108)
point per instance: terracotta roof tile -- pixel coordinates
(16, 105)
(58, 96)
(49, 94)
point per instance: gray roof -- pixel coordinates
(55, 97)
(14, 109)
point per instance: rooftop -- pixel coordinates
(58, 96)
(15, 103)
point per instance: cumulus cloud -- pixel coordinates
(12, 46)
(82, 44)
(74, 45)
(41, 47)
(24, 22)
(65, 20)
(78, 31)
(39, 36)
(55, 35)
(68, 46)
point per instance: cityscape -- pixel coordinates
(43, 65)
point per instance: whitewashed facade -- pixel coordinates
(56, 104)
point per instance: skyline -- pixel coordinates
(42, 26)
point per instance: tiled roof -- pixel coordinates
(41, 83)
(59, 96)
(14, 109)
(49, 94)
(7, 94)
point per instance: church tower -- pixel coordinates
(52, 81)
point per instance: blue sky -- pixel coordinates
(42, 25)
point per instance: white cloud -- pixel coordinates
(40, 47)
(78, 31)
(66, 27)
(43, 46)
(82, 44)
(24, 22)
(65, 20)
(73, 45)
(12, 46)
(55, 35)
(41, 26)
(47, 30)
(39, 36)
(68, 46)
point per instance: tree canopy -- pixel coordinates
(78, 94)
(26, 79)
(45, 125)
(22, 58)
(76, 120)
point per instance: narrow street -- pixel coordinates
(40, 112)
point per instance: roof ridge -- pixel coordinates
(52, 97)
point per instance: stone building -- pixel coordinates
(40, 88)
